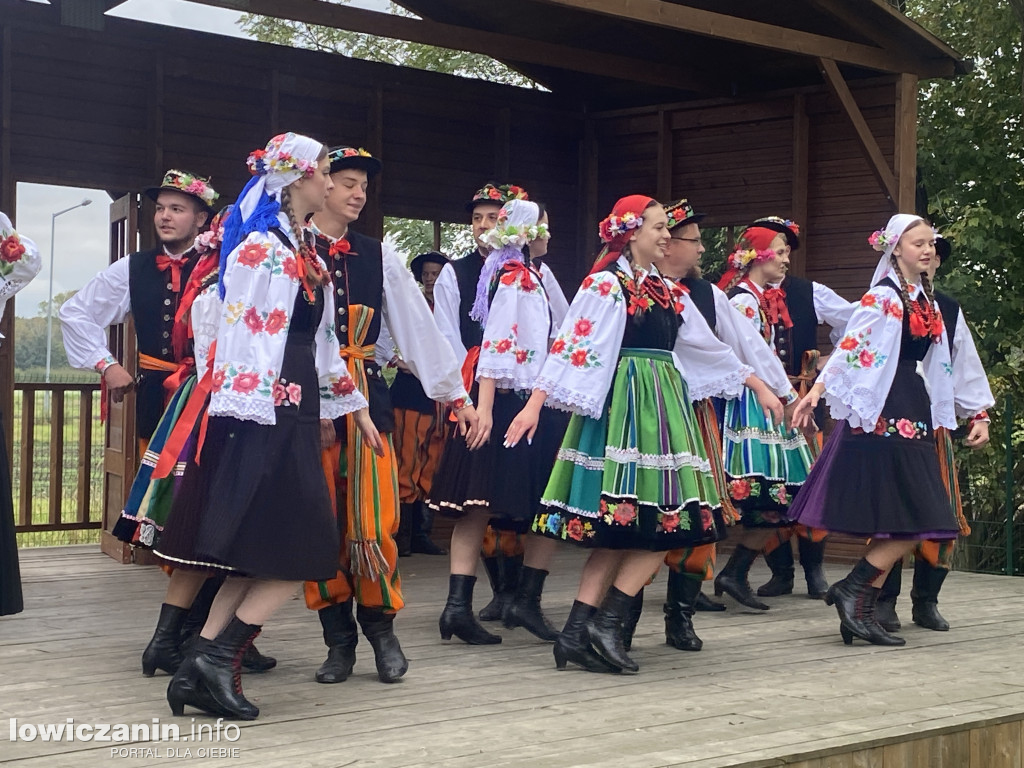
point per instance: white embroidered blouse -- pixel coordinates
(261, 286)
(580, 366)
(860, 372)
(971, 391)
(19, 261)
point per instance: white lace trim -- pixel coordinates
(506, 378)
(581, 459)
(663, 461)
(565, 399)
(764, 436)
(201, 563)
(335, 408)
(728, 387)
(558, 504)
(243, 408)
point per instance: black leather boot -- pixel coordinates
(378, 627)
(705, 603)
(636, 608)
(341, 635)
(885, 608)
(780, 560)
(812, 557)
(679, 608)
(854, 599)
(164, 649)
(422, 525)
(733, 578)
(525, 610)
(457, 617)
(211, 679)
(403, 539)
(503, 573)
(573, 643)
(925, 596)
(605, 629)
(199, 612)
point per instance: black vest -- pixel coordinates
(803, 336)
(467, 274)
(154, 302)
(703, 297)
(358, 278)
(950, 309)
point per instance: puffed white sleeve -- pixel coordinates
(204, 317)
(832, 309)
(20, 260)
(446, 310)
(971, 391)
(338, 393)
(556, 298)
(858, 376)
(516, 335)
(384, 350)
(750, 347)
(84, 318)
(580, 365)
(710, 366)
(416, 332)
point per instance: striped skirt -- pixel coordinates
(638, 477)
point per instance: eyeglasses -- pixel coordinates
(696, 240)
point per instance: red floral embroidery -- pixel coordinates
(218, 379)
(503, 346)
(669, 522)
(558, 346)
(253, 254)
(848, 343)
(343, 386)
(867, 358)
(604, 289)
(706, 520)
(275, 321)
(253, 320)
(583, 327)
(574, 529)
(290, 267)
(280, 395)
(625, 513)
(294, 393)
(522, 356)
(868, 300)
(739, 489)
(11, 249)
(906, 428)
(246, 382)
(578, 358)
(881, 425)
(588, 281)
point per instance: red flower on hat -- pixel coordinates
(494, 193)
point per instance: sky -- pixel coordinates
(81, 236)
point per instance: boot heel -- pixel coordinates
(177, 705)
(847, 635)
(148, 669)
(718, 590)
(560, 658)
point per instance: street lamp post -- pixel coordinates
(49, 305)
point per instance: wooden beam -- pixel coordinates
(503, 144)
(500, 46)
(801, 164)
(905, 156)
(722, 26)
(879, 165)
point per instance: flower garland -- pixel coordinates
(191, 184)
(502, 194)
(274, 160)
(787, 223)
(613, 226)
(513, 235)
(742, 258)
(881, 240)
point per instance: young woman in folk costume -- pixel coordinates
(501, 483)
(766, 462)
(632, 480)
(890, 382)
(255, 504)
(681, 263)
(973, 398)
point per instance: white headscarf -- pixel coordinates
(517, 226)
(886, 239)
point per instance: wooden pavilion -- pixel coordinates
(803, 108)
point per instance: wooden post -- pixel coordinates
(905, 156)
(664, 183)
(798, 204)
(587, 186)
(372, 220)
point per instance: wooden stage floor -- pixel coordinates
(769, 689)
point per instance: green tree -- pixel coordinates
(415, 236)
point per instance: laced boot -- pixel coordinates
(457, 617)
(733, 578)
(422, 525)
(341, 635)
(885, 608)
(812, 558)
(925, 596)
(573, 643)
(164, 649)
(854, 599)
(605, 629)
(378, 627)
(216, 668)
(525, 610)
(679, 608)
(780, 560)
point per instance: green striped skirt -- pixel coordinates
(638, 477)
(764, 464)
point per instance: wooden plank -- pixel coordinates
(84, 464)
(722, 26)
(28, 444)
(869, 144)
(799, 180)
(665, 156)
(996, 747)
(56, 468)
(905, 159)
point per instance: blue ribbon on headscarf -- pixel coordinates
(262, 219)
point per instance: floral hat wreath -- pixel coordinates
(353, 157)
(498, 195)
(517, 226)
(755, 246)
(188, 184)
(614, 230)
(681, 212)
(507, 233)
(613, 226)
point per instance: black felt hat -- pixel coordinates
(943, 248)
(785, 227)
(187, 184)
(430, 257)
(353, 157)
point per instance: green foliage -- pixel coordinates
(30, 339)
(415, 236)
(970, 139)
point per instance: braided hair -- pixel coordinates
(307, 253)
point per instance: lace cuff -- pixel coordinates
(336, 407)
(728, 387)
(243, 408)
(507, 378)
(564, 399)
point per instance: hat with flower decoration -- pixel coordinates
(353, 157)
(187, 184)
(496, 195)
(681, 212)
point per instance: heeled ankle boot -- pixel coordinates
(780, 560)
(378, 627)
(925, 596)
(854, 599)
(573, 643)
(199, 612)
(885, 608)
(164, 649)
(636, 609)
(216, 666)
(503, 572)
(525, 610)
(679, 609)
(705, 603)
(733, 578)
(812, 559)
(458, 619)
(422, 525)
(605, 630)
(341, 635)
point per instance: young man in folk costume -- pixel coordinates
(454, 291)
(420, 428)
(371, 286)
(766, 470)
(973, 397)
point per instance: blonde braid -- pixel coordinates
(904, 290)
(300, 237)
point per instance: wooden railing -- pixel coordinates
(58, 457)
